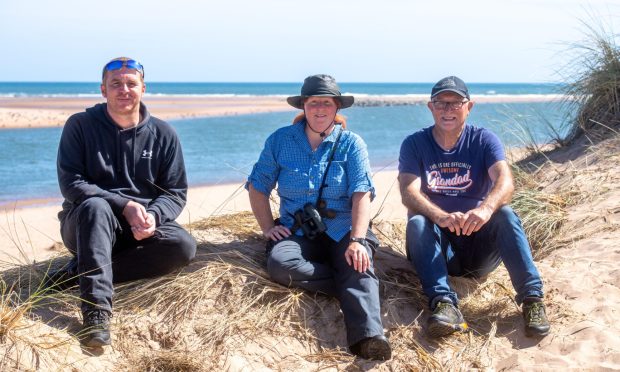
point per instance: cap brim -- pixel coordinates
(450, 90)
(298, 101)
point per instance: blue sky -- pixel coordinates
(284, 40)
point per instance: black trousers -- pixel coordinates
(319, 265)
(107, 252)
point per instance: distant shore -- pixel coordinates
(41, 112)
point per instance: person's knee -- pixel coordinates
(188, 247)
(185, 247)
(280, 263)
(417, 227)
(94, 207)
(505, 217)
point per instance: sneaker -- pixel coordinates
(64, 278)
(535, 316)
(372, 348)
(446, 319)
(96, 328)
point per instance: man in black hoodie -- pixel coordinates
(122, 175)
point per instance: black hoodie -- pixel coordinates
(97, 158)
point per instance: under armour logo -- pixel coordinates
(147, 154)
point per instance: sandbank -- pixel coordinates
(38, 112)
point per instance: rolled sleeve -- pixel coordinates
(358, 170)
(265, 172)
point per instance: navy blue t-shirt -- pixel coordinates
(455, 180)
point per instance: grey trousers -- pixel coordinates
(320, 266)
(107, 253)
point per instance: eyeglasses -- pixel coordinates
(441, 105)
(119, 64)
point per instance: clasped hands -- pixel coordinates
(465, 223)
(142, 223)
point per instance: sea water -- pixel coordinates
(60, 89)
(223, 149)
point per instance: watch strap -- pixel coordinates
(362, 241)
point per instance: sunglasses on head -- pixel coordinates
(118, 64)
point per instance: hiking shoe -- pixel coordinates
(535, 316)
(372, 348)
(446, 319)
(96, 328)
(62, 279)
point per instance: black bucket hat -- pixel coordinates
(320, 86)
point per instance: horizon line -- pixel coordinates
(279, 82)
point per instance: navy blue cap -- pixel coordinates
(450, 84)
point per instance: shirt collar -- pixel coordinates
(301, 126)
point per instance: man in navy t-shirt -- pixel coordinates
(456, 185)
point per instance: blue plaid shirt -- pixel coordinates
(288, 161)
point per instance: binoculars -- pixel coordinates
(310, 221)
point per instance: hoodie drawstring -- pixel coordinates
(133, 153)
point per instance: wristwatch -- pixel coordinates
(362, 241)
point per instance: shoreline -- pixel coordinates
(32, 230)
(45, 112)
(56, 200)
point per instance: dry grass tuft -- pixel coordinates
(11, 316)
(21, 297)
(166, 361)
(541, 213)
(241, 225)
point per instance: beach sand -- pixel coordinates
(582, 284)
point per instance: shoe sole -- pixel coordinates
(534, 333)
(96, 342)
(441, 329)
(376, 350)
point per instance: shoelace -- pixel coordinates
(97, 316)
(444, 308)
(535, 312)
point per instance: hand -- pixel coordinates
(452, 221)
(473, 220)
(277, 232)
(357, 255)
(135, 214)
(141, 232)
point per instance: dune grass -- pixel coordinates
(223, 312)
(592, 90)
(593, 74)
